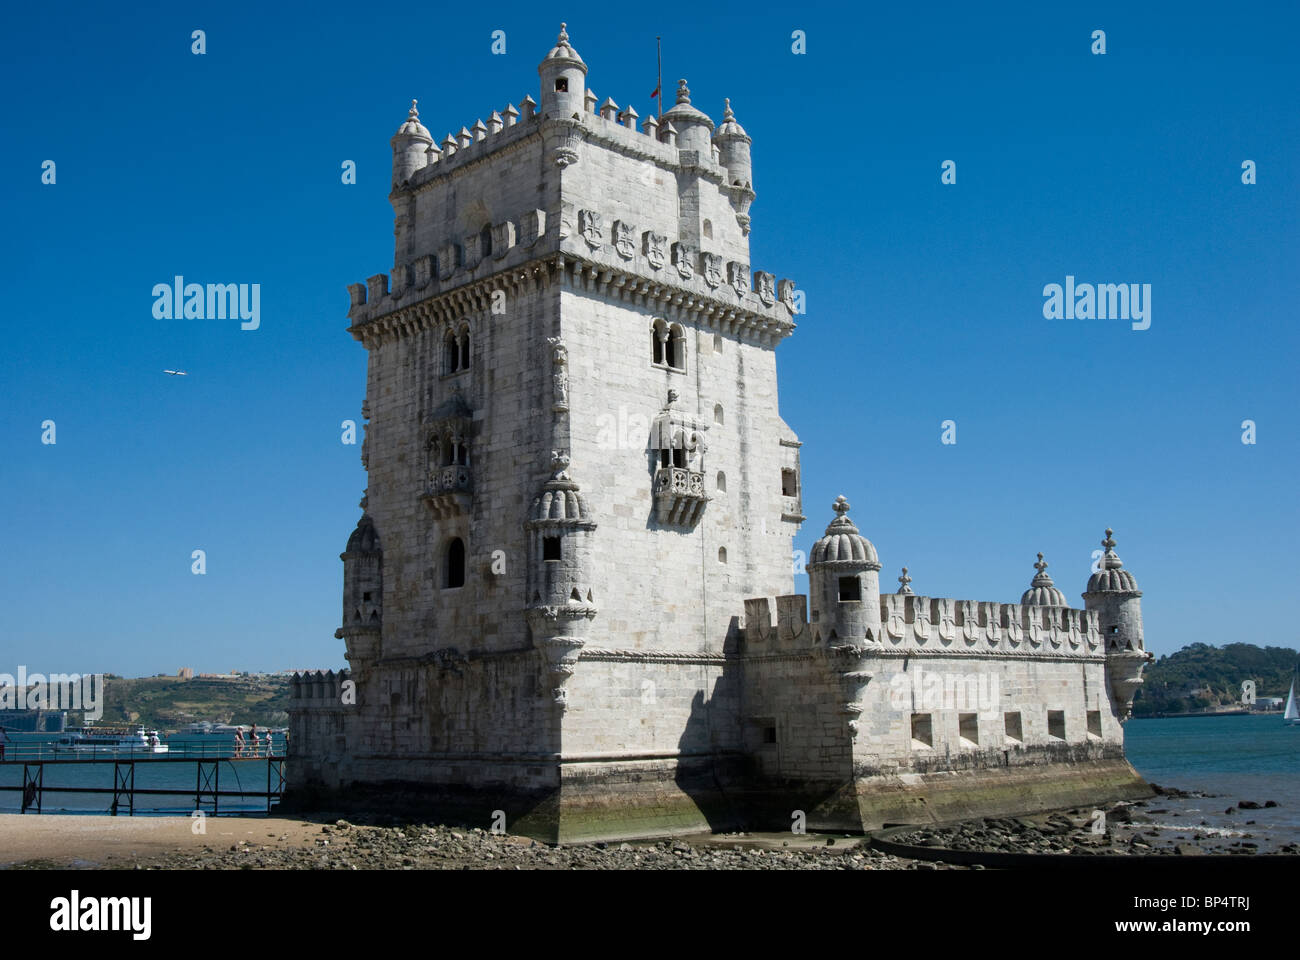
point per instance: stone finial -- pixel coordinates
(511, 115)
(1111, 560)
(609, 109)
(651, 127)
(413, 113)
(840, 506)
(629, 118)
(1041, 565)
(527, 107)
(669, 134)
(433, 153)
(480, 131)
(494, 123)
(727, 115)
(683, 92)
(465, 138)
(589, 101)
(905, 580)
(448, 145)
(564, 34)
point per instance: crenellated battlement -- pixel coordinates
(915, 625)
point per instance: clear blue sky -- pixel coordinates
(924, 300)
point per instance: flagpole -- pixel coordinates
(660, 51)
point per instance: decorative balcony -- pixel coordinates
(679, 496)
(449, 490)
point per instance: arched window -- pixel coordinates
(450, 353)
(717, 413)
(485, 241)
(722, 482)
(455, 451)
(708, 229)
(455, 564)
(722, 554)
(464, 348)
(675, 348)
(658, 341)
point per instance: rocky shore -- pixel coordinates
(1145, 827)
(1171, 824)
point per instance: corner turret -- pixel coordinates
(694, 128)
(560, 601)
(844, 577)
(363, 594)
(1114, 594)
(411, 145)
(564, 79)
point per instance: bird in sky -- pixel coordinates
(176, 373)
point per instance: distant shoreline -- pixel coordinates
(1208, 713)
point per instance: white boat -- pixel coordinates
(109, 740)
(206, 728)
(1291, 715)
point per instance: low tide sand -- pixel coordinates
(72, 840)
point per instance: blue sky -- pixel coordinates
(924, 300)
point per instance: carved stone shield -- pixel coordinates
(921, 619)
(712, 269)
(684, 260)
(624, 239)
(764, 286)
(738, 277)
(653, 246)
(896, 624)
(993, 629)
(1014, 629)
(970, 620)
(589, 225)
(947, 621)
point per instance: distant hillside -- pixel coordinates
(1199, 677)
(168, 703)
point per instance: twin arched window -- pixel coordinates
(455, 350)
(668, 345)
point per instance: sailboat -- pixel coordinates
(1292, 715)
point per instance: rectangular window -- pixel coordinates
(1011, 724)
(968, 729)
(550, 548)
(789, 483)
(922, 731)
(769, 734)
(1094, 723)
(850, 589)
(1056, 724)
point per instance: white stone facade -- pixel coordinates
(579, 481)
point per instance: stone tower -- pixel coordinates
(575, 461)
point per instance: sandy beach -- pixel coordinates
(109, 842)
